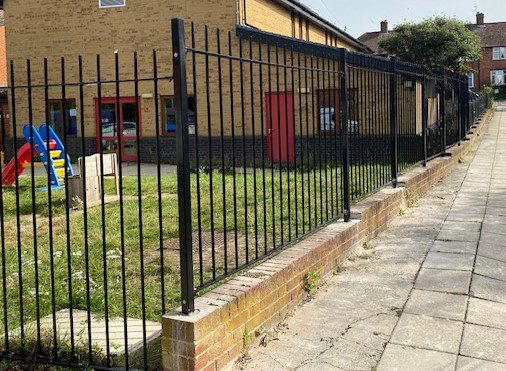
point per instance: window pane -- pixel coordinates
(57, 115)
(169, 115)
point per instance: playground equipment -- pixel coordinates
(53, 159)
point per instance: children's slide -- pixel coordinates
(53, 160)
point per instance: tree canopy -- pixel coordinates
(436, 42)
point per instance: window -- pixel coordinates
(111, 3)
(169, 115)
(328, 108)
(497, 77)
(470, 79)
(59, 112)
(499, 53)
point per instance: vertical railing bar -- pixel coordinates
(159, 180)
(393, 119)
(51, 251)
(197, 157)
(374, 131)
(301, 149)
(318, 122)
(263, 138)
(443, 113)
(85, 199)
(294, 131)
(335, 98)
(287, 138)
(34, 209)
(374, 101)
(18, 220)
(325, 163)
(66, 166)
(331, 154)
(183, 160)
(271, 146)
(2, 241)
(222, 148)
(243, 134)
(307, 144)
(139, 208)
(253, 131)
(210, 151)
(103, 219)
(343, 104)
(313, 141)
(280, 164)
(232, 127)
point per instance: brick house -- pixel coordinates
(490, 70)
(90, 27)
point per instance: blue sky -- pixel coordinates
(359, 16)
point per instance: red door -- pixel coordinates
(129, 122)
(279, 121)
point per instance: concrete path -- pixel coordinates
(427, 294)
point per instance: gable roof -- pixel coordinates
(371, 39)
(491, 34)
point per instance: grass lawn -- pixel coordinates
(248, 188)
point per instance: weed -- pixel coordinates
(311, 281)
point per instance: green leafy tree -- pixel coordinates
(436, 42)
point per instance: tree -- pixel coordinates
(436, 42)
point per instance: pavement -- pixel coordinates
(429, 293)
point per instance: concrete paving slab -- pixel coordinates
(98, 334)
(428, 333)
(487, 313)
(437, 304)
(458, 247)
(456, 282)
(492, 251)
(484, 343)
(493, 238)
(488, 288)
(474, 364)
(403, 358)
(444, 260)
(459, 235)
(491, 268)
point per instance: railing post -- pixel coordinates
(343, 118)
(443, 113)
(459, 116)
(183, 165)
(393, 120)
(425, 119)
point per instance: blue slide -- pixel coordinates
(54, 158)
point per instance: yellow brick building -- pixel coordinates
(89, 28)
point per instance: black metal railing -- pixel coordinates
(299, 133)
(273, 138)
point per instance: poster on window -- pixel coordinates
(327, 119)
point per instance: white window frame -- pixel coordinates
(499, 53)
(495, 74)
(110, 6)
(470, 81)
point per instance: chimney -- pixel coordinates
(480, 18)
(384, 26)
